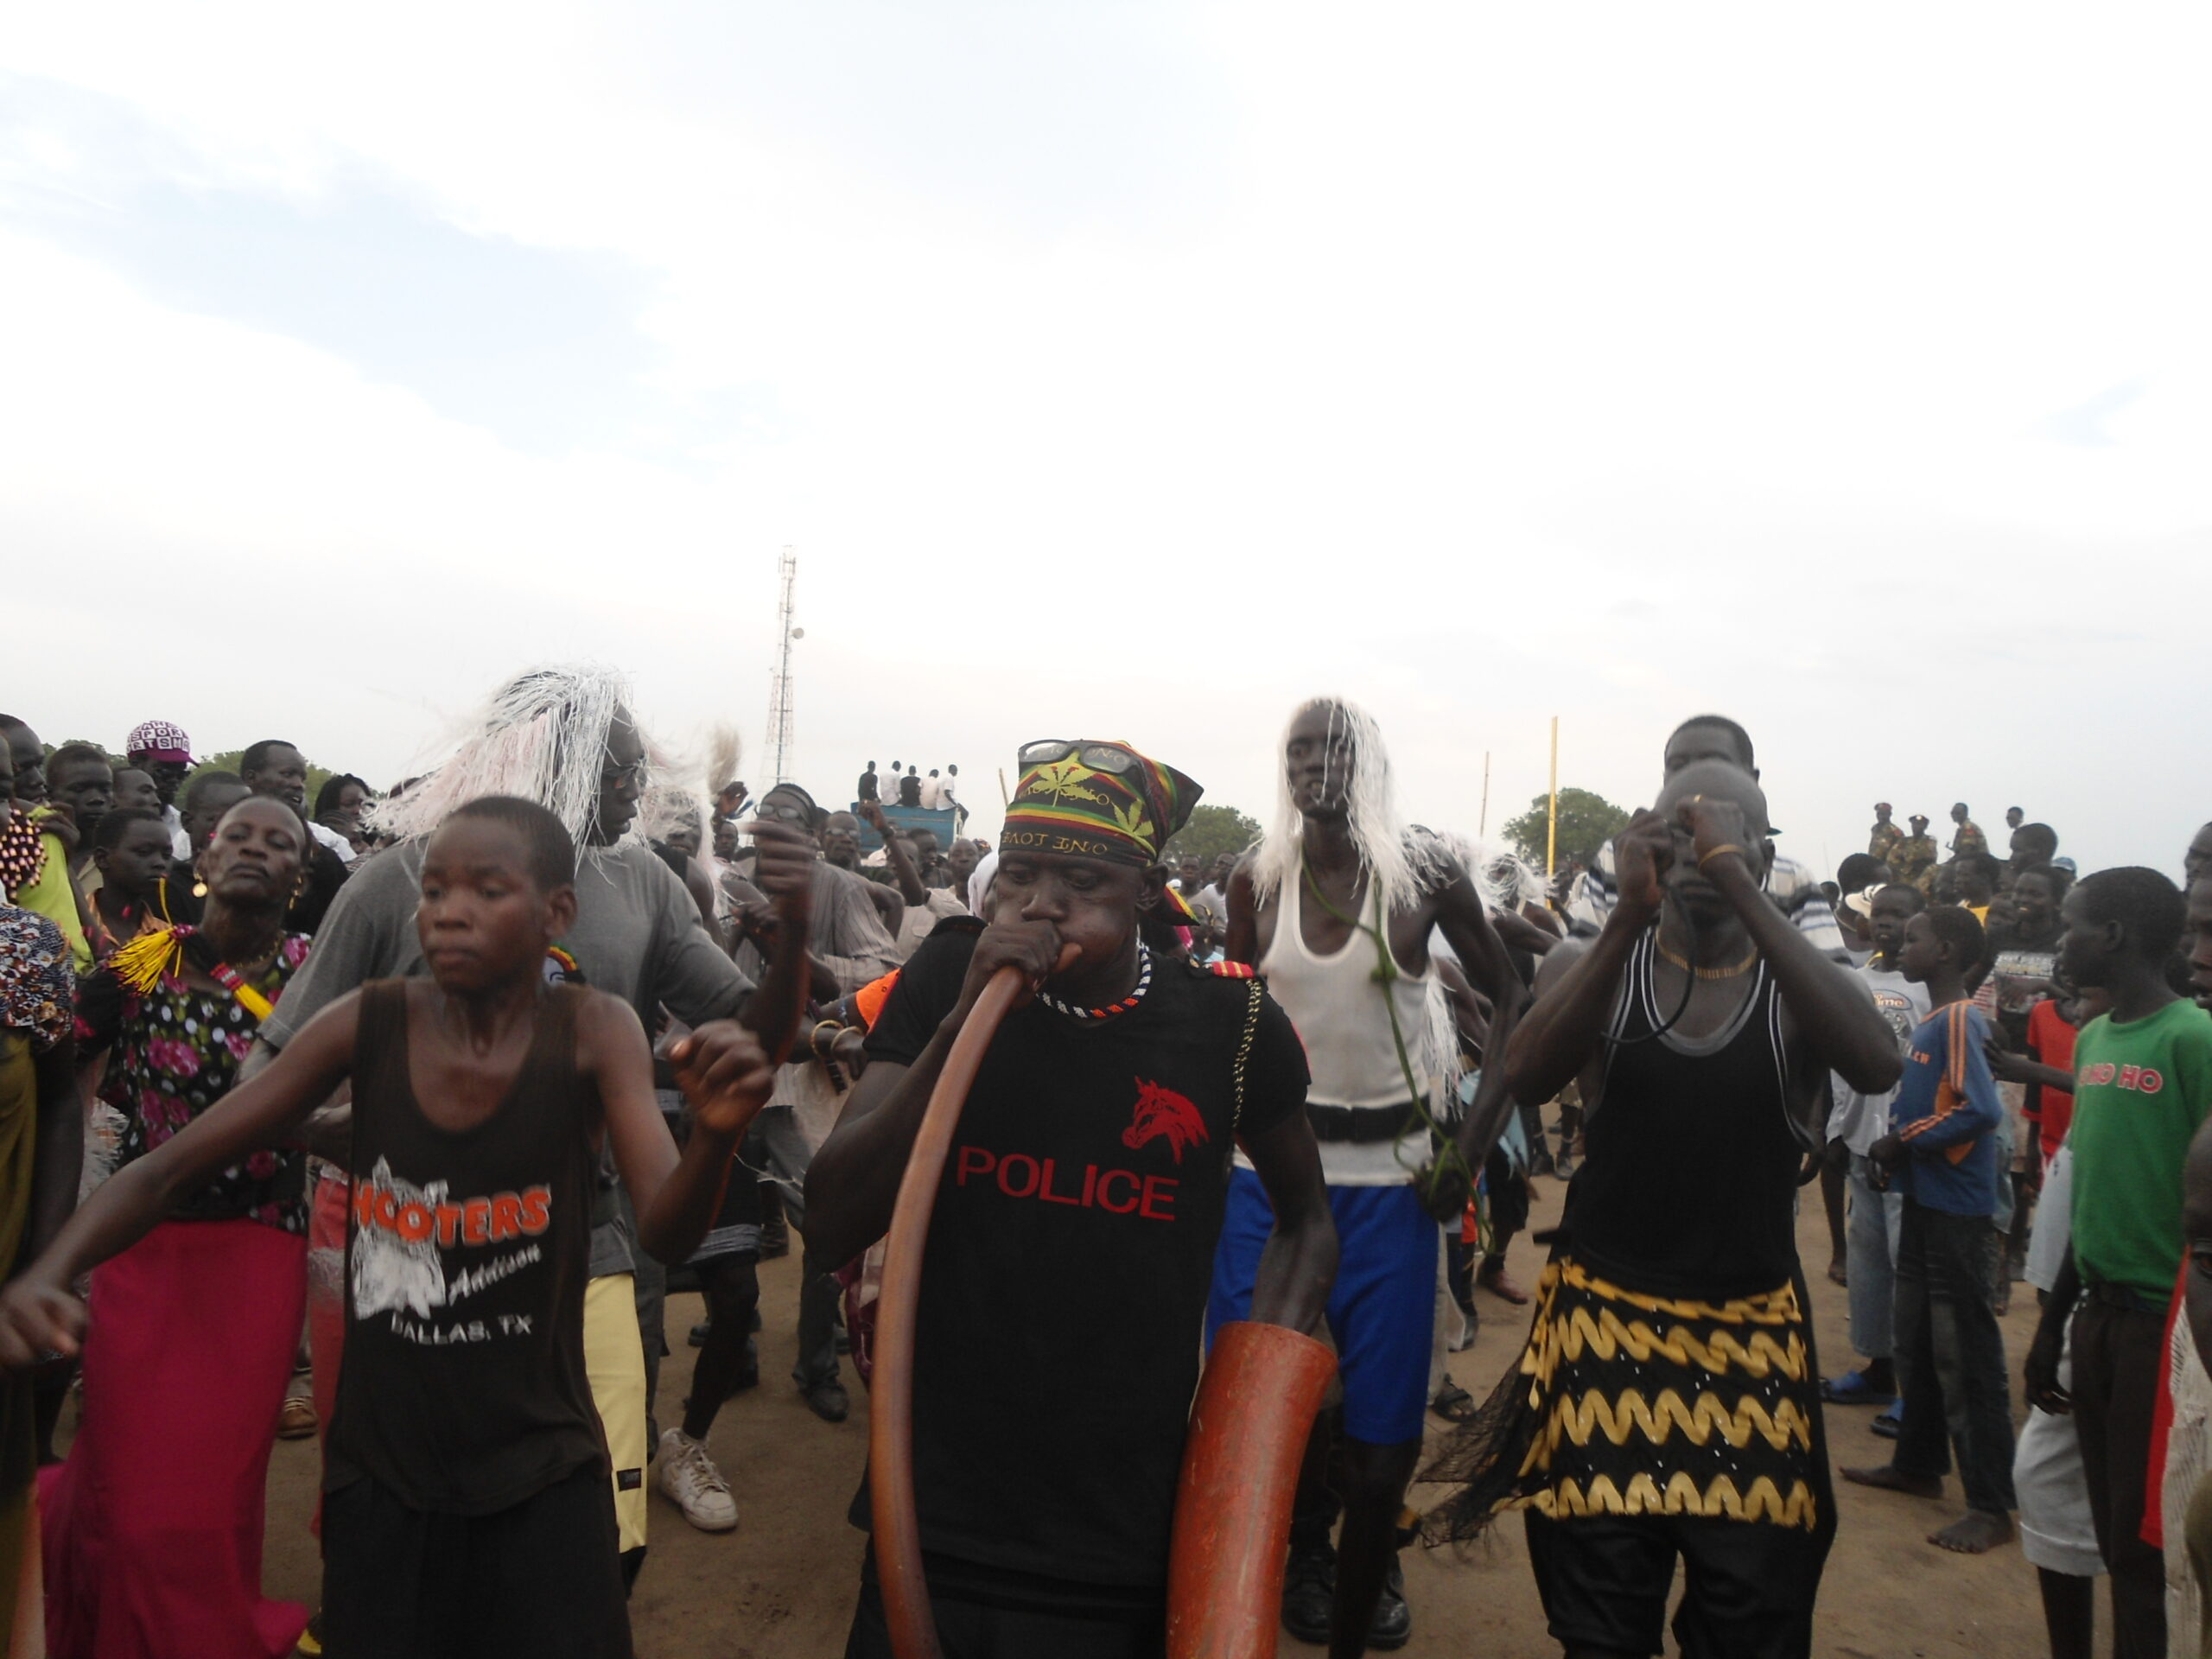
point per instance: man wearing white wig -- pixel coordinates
(1336, 907)
(565, 738)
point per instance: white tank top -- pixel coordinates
(1338, 1007)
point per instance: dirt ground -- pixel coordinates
(781, 1586)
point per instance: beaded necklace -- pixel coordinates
(22, 855)
(1144, 979)
(1685, 963)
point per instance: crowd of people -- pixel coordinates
(938, 792)
(394, 1117)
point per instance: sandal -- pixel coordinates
(1851, 1389)
(1452, 1403)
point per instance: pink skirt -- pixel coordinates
(153, 1526)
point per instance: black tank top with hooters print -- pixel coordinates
(463, 1389)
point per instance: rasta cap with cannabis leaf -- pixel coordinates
(1095, 799)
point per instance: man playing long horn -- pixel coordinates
(1064, 1284)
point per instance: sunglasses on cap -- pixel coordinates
(1100, 757)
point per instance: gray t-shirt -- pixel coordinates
(637, 936)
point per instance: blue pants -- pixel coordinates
(1872, 1258)
(1382, 1310)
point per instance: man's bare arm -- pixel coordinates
(785, 871)
(1298, 1263)
(1242, 944)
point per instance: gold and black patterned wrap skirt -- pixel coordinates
(1630, 1404)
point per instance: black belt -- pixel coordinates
(1361, 1125)
(2120, 1296)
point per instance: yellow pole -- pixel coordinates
(1551, 831)
(1483, 827)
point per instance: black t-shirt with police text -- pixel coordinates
(1064, 1288)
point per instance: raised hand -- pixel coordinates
(785, 869)
(1642, 854)
(1716, 825)
(60, 821)
(1034, 947)
(2005, 1065)
(724, 1073)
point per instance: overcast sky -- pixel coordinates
(1133, 370)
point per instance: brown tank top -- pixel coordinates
(463, 1389)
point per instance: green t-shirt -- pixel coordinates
(51, 897)
(2139, 1091)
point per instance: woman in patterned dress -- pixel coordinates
(153, 1526)
(39, 1146)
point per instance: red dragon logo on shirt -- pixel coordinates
(1163, 1112)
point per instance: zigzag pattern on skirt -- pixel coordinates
(1769, 1308)
(1654, 1421)
(1719, 1500)
(1558, 1339)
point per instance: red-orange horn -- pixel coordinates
(1257, 1405)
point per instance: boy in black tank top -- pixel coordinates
(1668, 1402)
(466, 1503)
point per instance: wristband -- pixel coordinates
(1724, 846)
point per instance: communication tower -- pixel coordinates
(780, 691)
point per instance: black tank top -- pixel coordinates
(1689, 1182)
(463, 1389)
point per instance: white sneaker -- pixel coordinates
(690, 1480)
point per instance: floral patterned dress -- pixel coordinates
(176, 1051)
(36, 991)
(36, 987)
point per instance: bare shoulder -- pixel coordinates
(605, 1024)
(1242, 887)
(1558, 960)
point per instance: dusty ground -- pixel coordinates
(781, 1586)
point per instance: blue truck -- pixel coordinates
(939, 821)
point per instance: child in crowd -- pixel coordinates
(1943, 1153)
(1858, 1121)
(2142, 1084)
(466, 1503)
(131, 848)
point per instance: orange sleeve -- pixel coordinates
(871, 997)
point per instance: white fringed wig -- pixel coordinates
(543, 736)
(1398, 864)
(1506, 879)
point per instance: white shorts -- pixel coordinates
(2056, 1530)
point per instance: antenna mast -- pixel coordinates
(779, 693)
